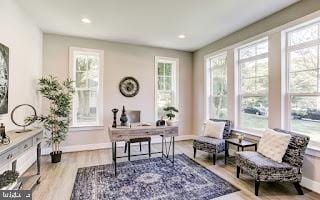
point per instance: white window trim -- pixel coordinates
(286, 49)
(175, 62)
(207, 59)
(72, 74)
(238, 93)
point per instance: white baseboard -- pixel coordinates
(311, 184)
(96, 146)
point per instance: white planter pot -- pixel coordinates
(172, 122)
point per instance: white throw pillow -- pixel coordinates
(214, 129)
(274, 144)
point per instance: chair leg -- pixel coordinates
(125, 147)
(140, 146)
(129, 153)
(149, 148)
(238, 171)
(194, 152)
(256, 187)
(298, 188)
(214, 159)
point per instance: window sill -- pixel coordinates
(312, 149)
(86, 128)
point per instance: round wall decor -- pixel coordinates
(129, 86)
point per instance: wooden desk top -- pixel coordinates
(126, 133)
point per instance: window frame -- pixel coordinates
(207, 66)
(238, 92)
(175, 64)
(286, 51)
(72, 75)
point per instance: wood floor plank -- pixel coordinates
(57, 179)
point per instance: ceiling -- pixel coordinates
(150, 22)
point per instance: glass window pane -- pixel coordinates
(254, 112)
(247, 69)
(168, 83)
(305, 115)
(248, 86)
(81, 63)
(302, 82)
(218, 107)
(160, 69)
(93, 62)
(262, 67)
(217, 102)
(248, 52)
(164, 99)
(303, 35)
(93, 78)
(87, 107)
(168, 69)
(303, 59)
(262, 47)
(160, 83)
(81, 79)
(261, 86)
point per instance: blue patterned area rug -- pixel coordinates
(153, 178)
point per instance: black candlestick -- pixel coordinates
(114, 124)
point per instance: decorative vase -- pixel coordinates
(56, 157)
(123, 118)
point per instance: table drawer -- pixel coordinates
(26, 145)
(10, 155)
(37, 139)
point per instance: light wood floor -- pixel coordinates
(57, 179)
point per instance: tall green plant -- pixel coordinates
(56, 122)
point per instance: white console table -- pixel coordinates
(19, 144)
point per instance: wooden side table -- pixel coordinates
(235, 141)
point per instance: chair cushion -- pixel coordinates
(266, 169)
(214, 129)
(274, 144)
(209, 144)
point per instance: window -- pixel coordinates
(166, 80)
(86, 67)
(216, 87)
(303, 80)
(253, 85)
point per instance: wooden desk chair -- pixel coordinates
(134, 117)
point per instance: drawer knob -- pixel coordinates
(9, 156)
(25, 146)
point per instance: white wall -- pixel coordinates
(24, 40)
(120, 60)
(271, 27)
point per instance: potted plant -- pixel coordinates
(8, 180)
(170, 113)
(56, 122)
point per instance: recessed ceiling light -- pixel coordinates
(86, 20)
(181, 36)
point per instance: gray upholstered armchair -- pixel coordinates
(264, 169)
(210, 144)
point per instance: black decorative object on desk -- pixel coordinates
(115, 111)
(123, 118)
(29, 120)
(4, 139)
(161, 122)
